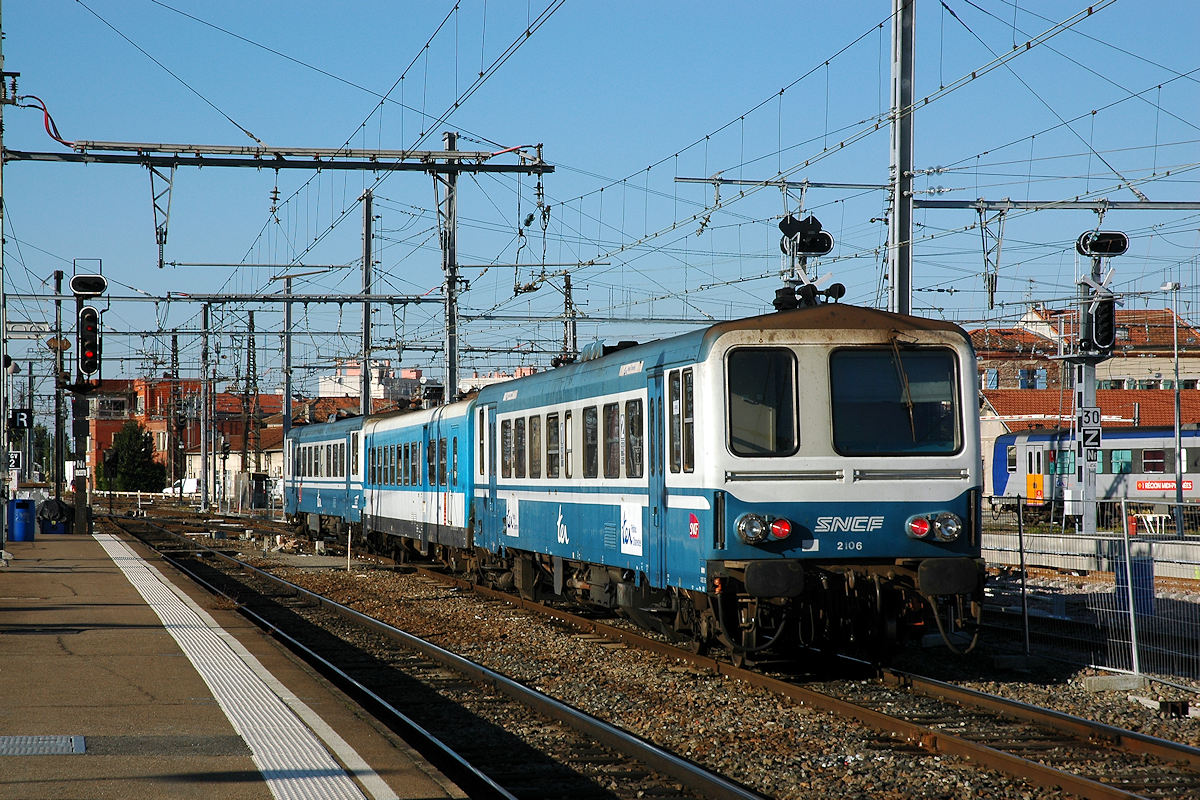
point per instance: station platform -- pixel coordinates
(122, 680)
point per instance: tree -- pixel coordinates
(131, 462)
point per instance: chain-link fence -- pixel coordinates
(1090, 598)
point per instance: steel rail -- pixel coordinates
(927, 738)
(1130, 741)
(438, 751)
(686, 772)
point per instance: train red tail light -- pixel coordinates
(781, 529)
(918, 527)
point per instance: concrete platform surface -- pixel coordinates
(121, 680)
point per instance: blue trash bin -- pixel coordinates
(20, 520)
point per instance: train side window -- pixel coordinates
(1122, 462)
(535, 447)
(612, 440)
(569, 436)
(689, 424)
(1012, 458)
(676, 420)
(454, 461)
(430, 462)
(633, 439)
(402, 478)
(506, 448)
(553, 454)
(441, 461)
(328, 448)
(370, 465)
(394, 465)
(414, 464)
(1191, 459)
(591, 460)
(519, 447)
(354, 454)
(1154, 461)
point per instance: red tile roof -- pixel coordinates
(1030, 408)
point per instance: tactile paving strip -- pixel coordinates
(291, 759)
(41, 745)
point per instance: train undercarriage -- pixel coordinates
(865, 610)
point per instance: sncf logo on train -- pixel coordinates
(852, 524)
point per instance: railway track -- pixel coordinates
(1045, 747)
(1042, 747)
(492, 735)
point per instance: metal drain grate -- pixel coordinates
(41, 745)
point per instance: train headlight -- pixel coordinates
(947, 527)
(918, 527)
(752, 528)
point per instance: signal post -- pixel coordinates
(1097, 338)
(87, 363)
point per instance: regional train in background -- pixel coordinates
(1034, 467)
(810, 477)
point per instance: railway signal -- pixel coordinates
(88, 285)
(1102, 244)
(88, 334)
(804, 237)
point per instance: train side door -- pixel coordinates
(490, 514)
(656, 478)
(1035, 479)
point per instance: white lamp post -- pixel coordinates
(1173, 288)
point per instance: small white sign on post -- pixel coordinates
(1088, 436)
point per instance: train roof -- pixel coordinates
(691, 346)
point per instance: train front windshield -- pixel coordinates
(895, 402)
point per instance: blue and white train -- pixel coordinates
(810, 476)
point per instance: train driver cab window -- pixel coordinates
(1012, 458)
(895, 401)
(761, 398)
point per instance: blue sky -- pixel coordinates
(625, 97)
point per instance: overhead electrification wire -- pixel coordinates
(167, 70)
(1129, 185)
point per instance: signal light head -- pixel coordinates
(1101, 243)
(89, 340)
